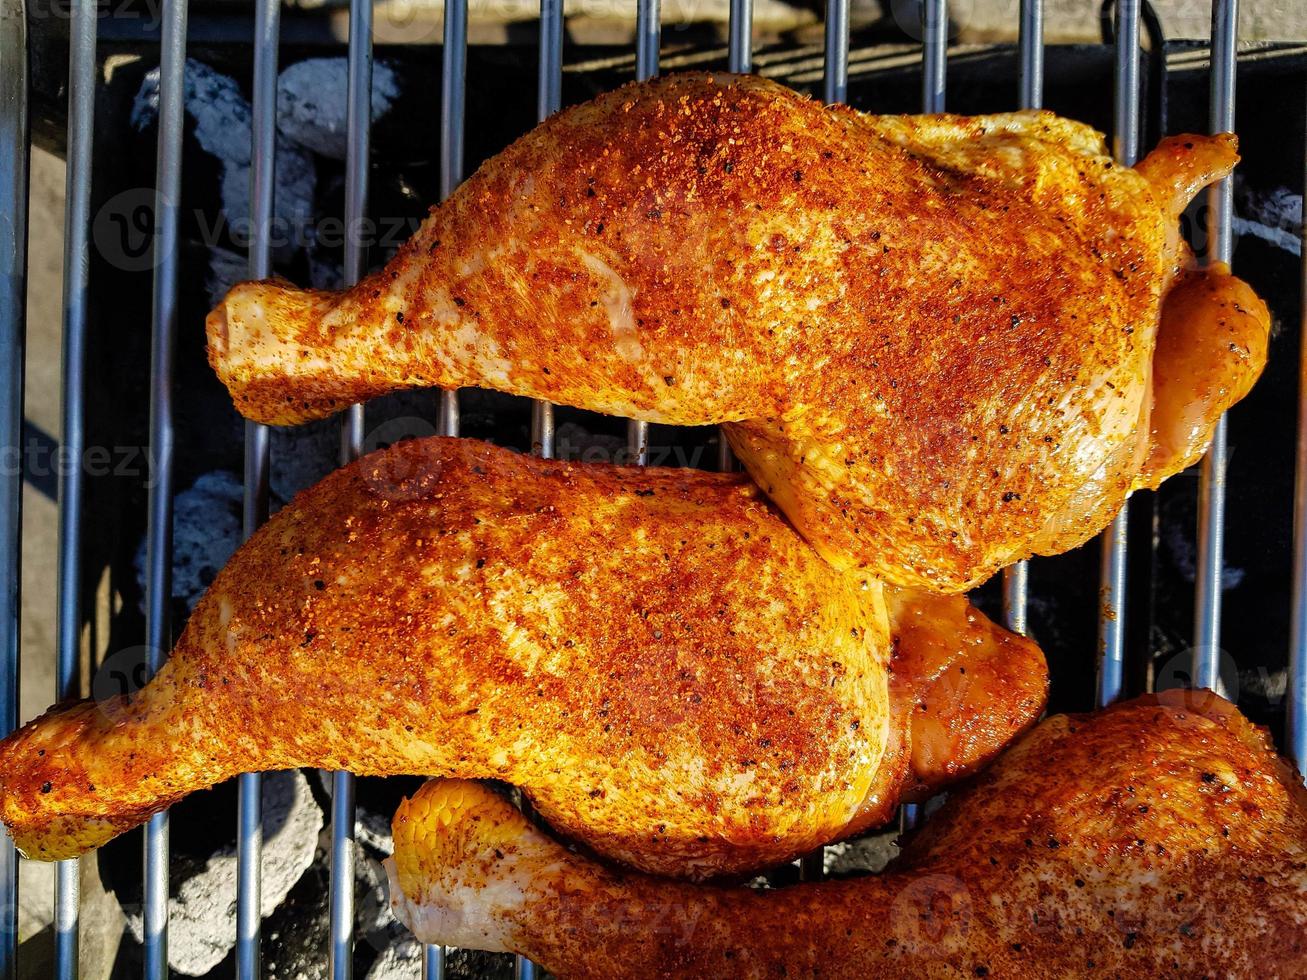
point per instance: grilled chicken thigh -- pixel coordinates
(1161, 837)
(932, 337)
(656, 657)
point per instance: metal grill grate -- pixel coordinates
(82, 86)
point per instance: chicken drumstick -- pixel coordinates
(932, 337)
(1161, 837)
(656, 657)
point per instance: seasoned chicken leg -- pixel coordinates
(656, 657)
(1161, 837)
(932, 337)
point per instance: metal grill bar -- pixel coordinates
(453, 100)
(1125, 148)
(648, 39)
(77, 258)
(13, 337)
(1297, 685)
(158, 547)
(835, 74)
(1030, 86)
(740, 37)
(1211, 489)
(358, 126)
(263, 153)
(934, 54)
(1030, 45)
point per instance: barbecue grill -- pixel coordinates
(1131, 68)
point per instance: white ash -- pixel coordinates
(312, 99)
(870, 853)
(1274, 217)
(222, 125)
(202, 912)
(401, 960)
(206, 527)
(1263, 682)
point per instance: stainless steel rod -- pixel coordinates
(648, 38)
(549, 98)
(1112, 584)
(453, 109)
(263, 153)
(13, 343)
(1030, 85)
(740, 37)
(158, 548)
(1211, 486)
(648, 20)
(1125, 90)
(1297, 682)
(358, 126)
(341, 886)
(76, 297)
(1016, 594)
(934, 54)
(835, 70)
(1111, 611)
(433, 962)
(1030, 43)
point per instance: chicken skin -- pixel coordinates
(1160, 837)
(671, 674)
(931, 338)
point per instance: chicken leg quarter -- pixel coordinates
(1160, 837)
(931, 338)
(668, 670)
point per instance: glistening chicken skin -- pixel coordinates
(671, 674)
(931, 337)
(1160, 837)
